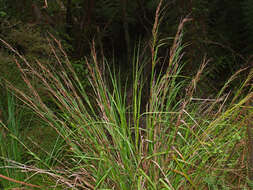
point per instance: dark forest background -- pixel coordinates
(221, 30)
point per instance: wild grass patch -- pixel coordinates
(108, 141)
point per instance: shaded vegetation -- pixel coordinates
(98, 95)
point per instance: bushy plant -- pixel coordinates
(178, 141)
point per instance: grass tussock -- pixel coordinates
(108, 141)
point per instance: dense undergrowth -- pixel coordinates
(106, 138)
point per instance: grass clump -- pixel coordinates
(110, 139)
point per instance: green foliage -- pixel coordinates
(111, 142)
(3, 14)
(10, 149)
(82, 71)
(29, 42)
(103, 135)
(3, 7)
